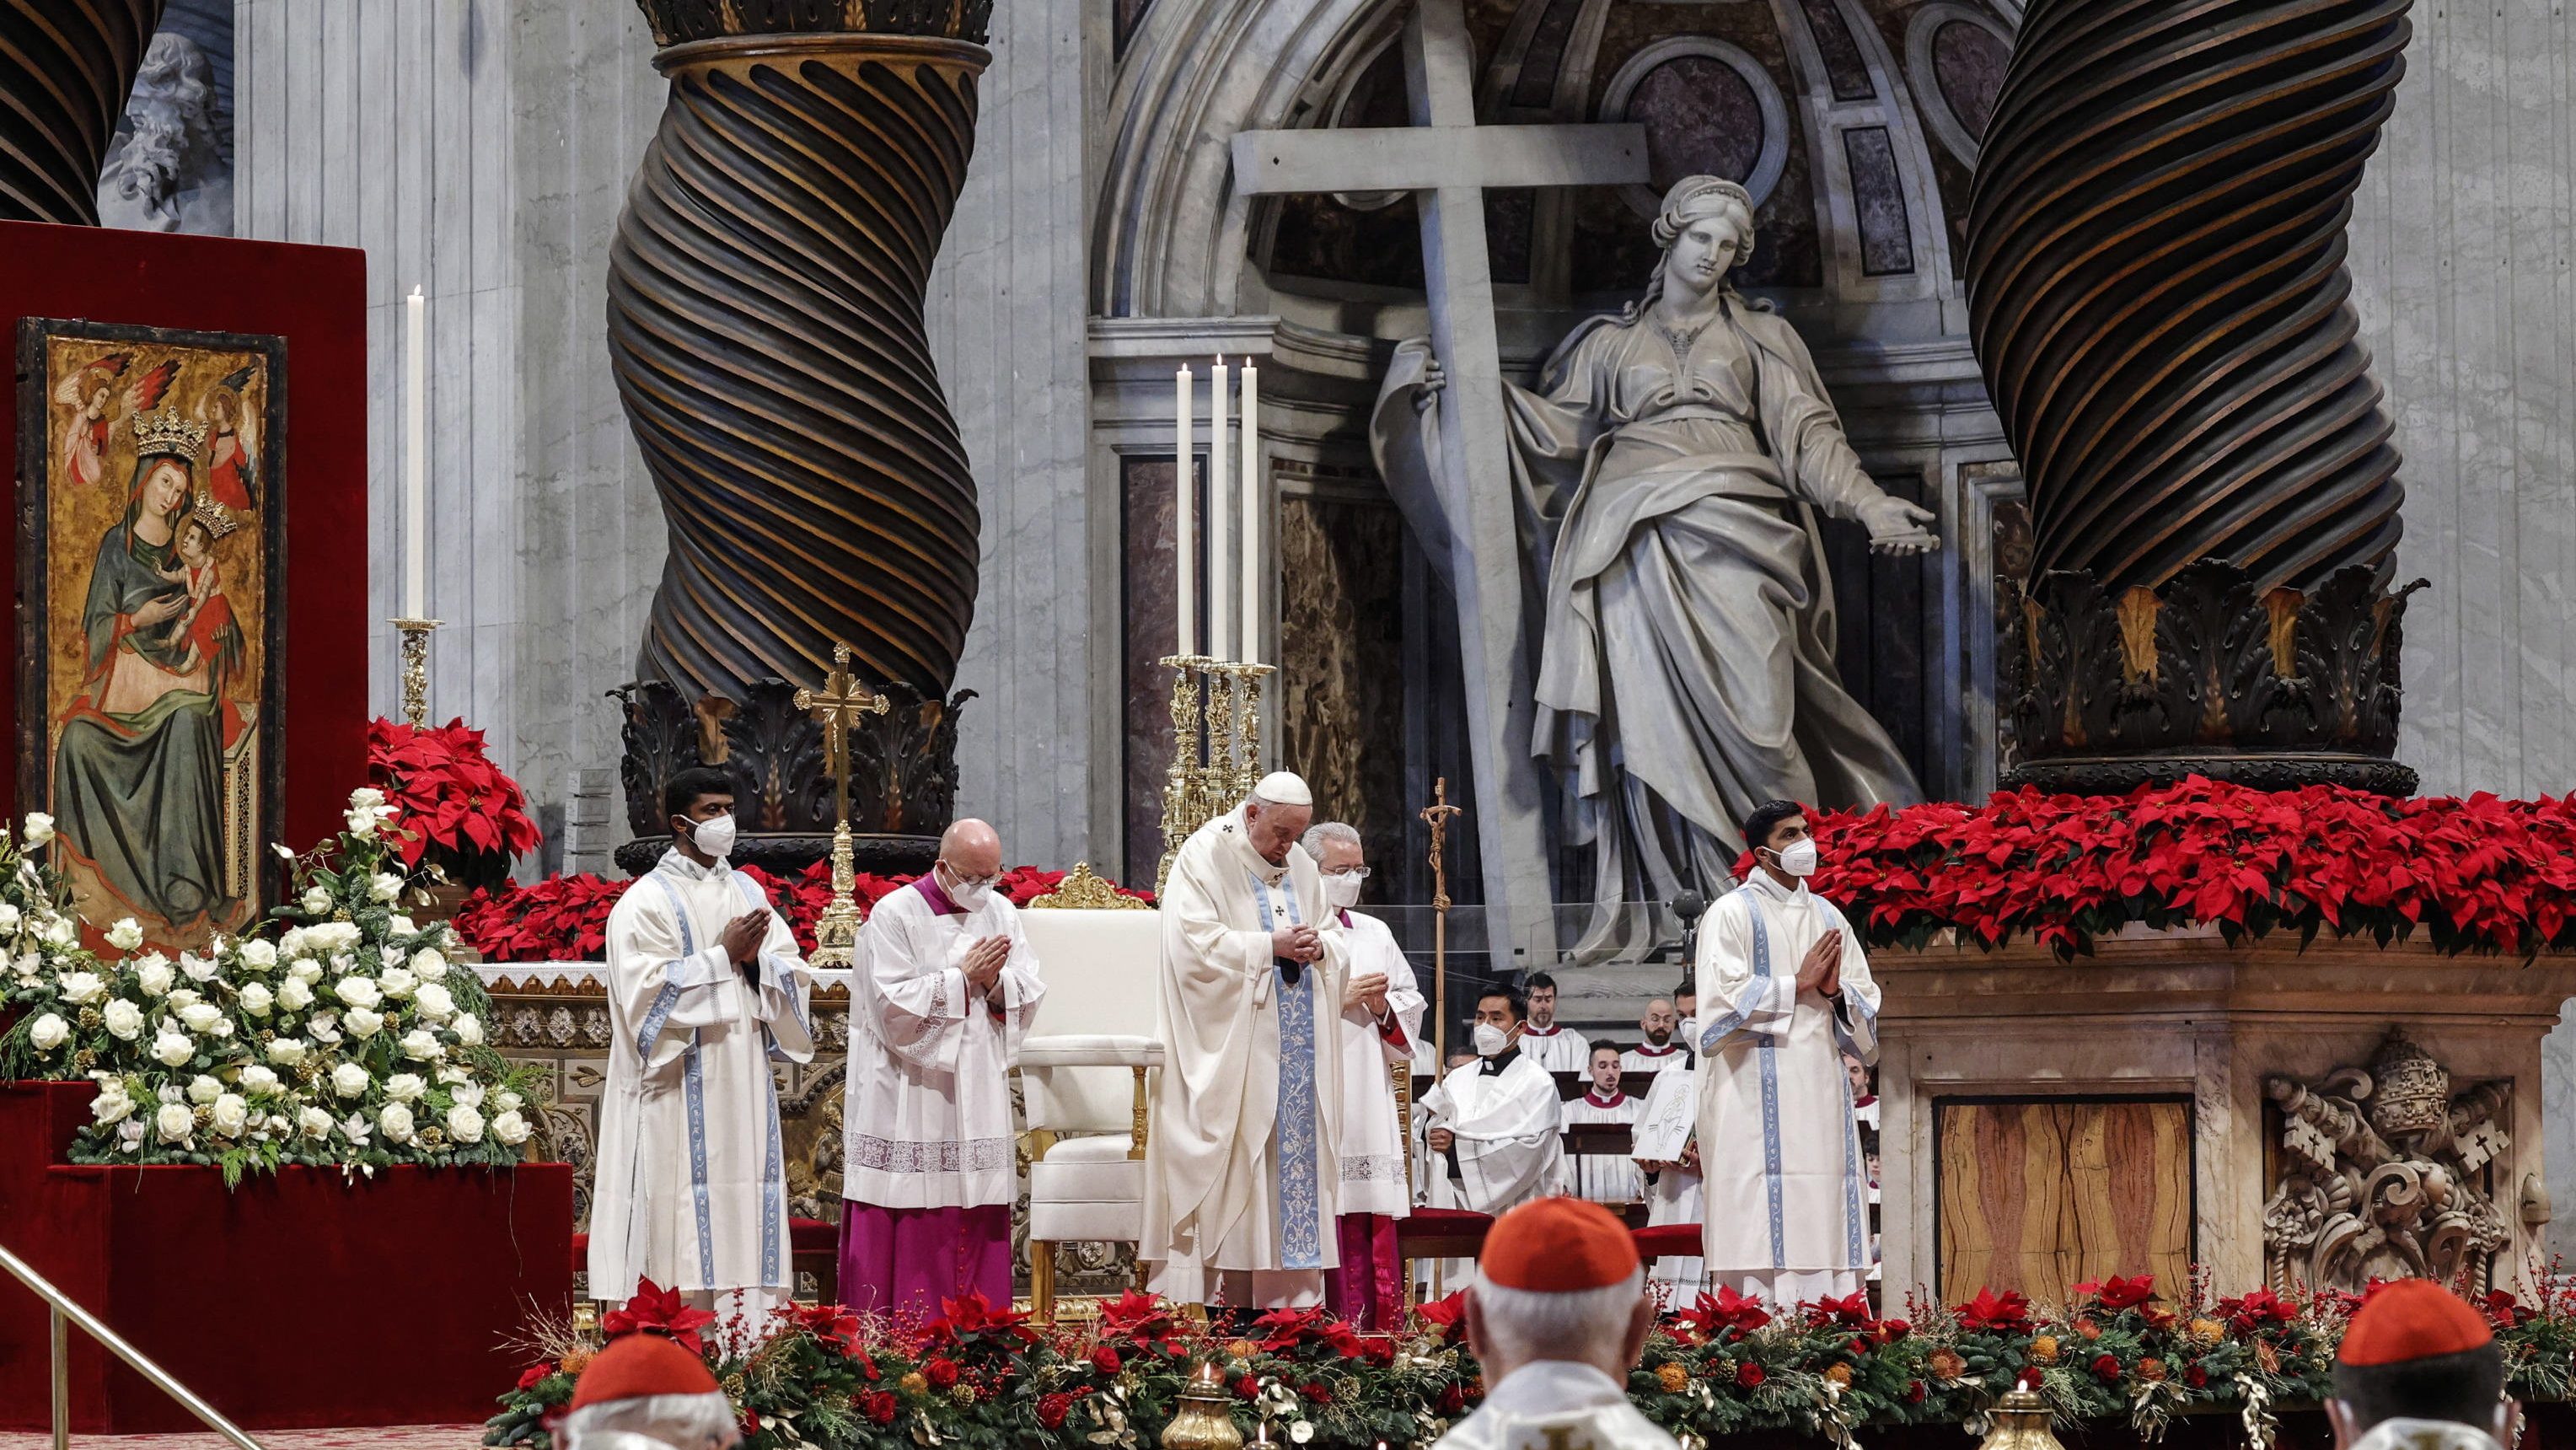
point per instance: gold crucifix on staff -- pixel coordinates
(838, 706)
(1437, 815)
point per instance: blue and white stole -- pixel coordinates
(1301, 1243)
(773, 1177)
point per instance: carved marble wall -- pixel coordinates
(1341, 639)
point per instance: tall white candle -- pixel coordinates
(1220, 534)
(416, 457)
(1184, 553)
(1249, 427)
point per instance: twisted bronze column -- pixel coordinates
(765, 297)
(2158, 292)
(66, 67)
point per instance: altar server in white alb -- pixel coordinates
(1605, 1177)
(1555, 1048)
(1501, 1121)
(945, 991)
(1785, 992)
(1242, 1171)
(705, 990)
(1381, 1017)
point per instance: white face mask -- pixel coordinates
(1342, 892)
(969, 894)
(715, 836)
(1799, 859)
(1490, 1039)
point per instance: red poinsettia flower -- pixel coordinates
(973, 1317)
(832, 1324)
(2502, 1309)
(1853, 1309)
(1992, 1313)
(1137, 1316)
(656, 1310)
(535, 1375)
(1288, 1328)
(1726, 1312)
(1448, 1315)
(2116, 1293)
(446, 792)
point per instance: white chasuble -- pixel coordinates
(1507, 1126)
(926, 1117)
(1779, 1150)
(1372, 1144)
(1558, 1049)
(1242, 1164)
(691, 1183)
(1606, 1177)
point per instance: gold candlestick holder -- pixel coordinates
(415, 668)
(1216, 746)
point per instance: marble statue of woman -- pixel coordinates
(1670, 468)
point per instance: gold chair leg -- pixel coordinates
(1042, 1281)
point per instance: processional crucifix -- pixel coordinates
(839, 705)
(1448, 161)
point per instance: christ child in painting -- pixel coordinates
(209, 615)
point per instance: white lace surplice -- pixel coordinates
(926, 1120)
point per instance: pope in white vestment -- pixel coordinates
(1242, 1169)
(927, 1168)
(691, 1182)
(1779, 1150)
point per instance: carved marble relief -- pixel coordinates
(2387, 1173)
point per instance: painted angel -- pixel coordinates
(91, 398)
(232, 442)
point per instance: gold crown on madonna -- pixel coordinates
(167, 435)
(216, 519)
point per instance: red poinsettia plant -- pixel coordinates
(2474, 874)
(452, 806)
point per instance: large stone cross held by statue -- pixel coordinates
(1447, 161)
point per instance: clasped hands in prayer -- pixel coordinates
(1295, 944)
(1821, 971)
(983, 964)
(741, 939)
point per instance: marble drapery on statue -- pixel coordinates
(1669, 470)
(1779, 1146)
(691, 1175)
(1508, 1126)
(927, 1167)
(1241, 1171)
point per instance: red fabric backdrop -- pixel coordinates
(292, 1301)
(314, 297)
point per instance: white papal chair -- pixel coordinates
(1083, 1075)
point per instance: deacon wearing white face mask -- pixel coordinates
(943, 994)
(705, 988)
(1785, 992)
(1501, 1122)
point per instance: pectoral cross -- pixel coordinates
(838, 706)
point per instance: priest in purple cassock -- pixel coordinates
(941, 995)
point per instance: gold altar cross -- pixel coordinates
(838, 705)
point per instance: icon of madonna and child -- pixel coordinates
(155, 609)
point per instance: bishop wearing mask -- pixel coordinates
(943, 990)
(1242, 1172)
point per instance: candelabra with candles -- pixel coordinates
(1216, 746)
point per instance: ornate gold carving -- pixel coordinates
(839, 706)
(1083, 889)
(1216, 704)
(415, 668)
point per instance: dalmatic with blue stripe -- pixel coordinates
(1779, 1144)
(692, 1189)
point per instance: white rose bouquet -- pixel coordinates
(336, 1037)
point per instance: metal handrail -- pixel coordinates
(60, 1308)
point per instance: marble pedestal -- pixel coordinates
(2167, 1069)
